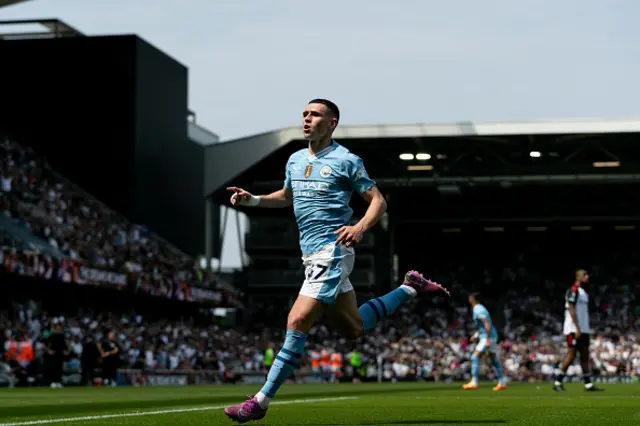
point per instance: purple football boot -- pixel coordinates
(245, 412)
(415, 280)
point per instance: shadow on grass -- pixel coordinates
(55, 409)
(425, 422)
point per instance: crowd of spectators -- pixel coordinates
(426, 339)
(66, 226)
(421, 341)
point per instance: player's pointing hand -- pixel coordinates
(241, 197)
(349, 235)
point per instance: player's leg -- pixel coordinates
(583, 348)
(343, 315)
(356, 378)
(303, 315)
(375, 310)
(494, 361)
(353, 322)
(566, 363)
(475, 365)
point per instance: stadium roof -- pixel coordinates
(37, 28)
(451, 146)
(4, 3)
(470, 128)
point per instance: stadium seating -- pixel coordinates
(44, 214)
(524, 280)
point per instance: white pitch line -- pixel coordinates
(161, 412)
(503, 396)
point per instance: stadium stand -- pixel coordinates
(523, 274)
(49, 218)
(426, 340)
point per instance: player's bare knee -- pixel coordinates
(298, 322)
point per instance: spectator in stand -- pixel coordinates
(523, 290)
(86, 231)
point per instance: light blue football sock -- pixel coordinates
(498, 369)
(375, 310)
(286, 361)
(475, 367)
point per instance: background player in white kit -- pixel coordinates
(577, 331)
(319, 182)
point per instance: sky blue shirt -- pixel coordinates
(322, 185)
(479, 313)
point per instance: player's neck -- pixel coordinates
(317, 146)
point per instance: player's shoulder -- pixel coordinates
(346, 161)
(481, 310)
(298, 155)
(572, 293)
(342, 153)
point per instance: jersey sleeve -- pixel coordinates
(571, 297)
(287, 176)
(481, 314)
(358, 177)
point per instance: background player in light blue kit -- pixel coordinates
(319, 182)
(487, 338)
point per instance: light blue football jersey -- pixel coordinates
(322, 185)
(479, 313)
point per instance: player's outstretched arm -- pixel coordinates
(278, 199)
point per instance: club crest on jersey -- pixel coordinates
(307, 171)
(325, 172)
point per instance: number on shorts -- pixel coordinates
(321, 269)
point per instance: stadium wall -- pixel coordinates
(70, 100)
(110, 114)
(169, 172)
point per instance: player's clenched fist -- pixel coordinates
(240, 197)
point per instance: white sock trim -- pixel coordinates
(263, 400)
(412, 291)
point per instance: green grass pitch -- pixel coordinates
(345, 404)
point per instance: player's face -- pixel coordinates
(585, 278)
(317, 122)
(472, 300)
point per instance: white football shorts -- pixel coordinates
(486, 345)
(327, 272)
